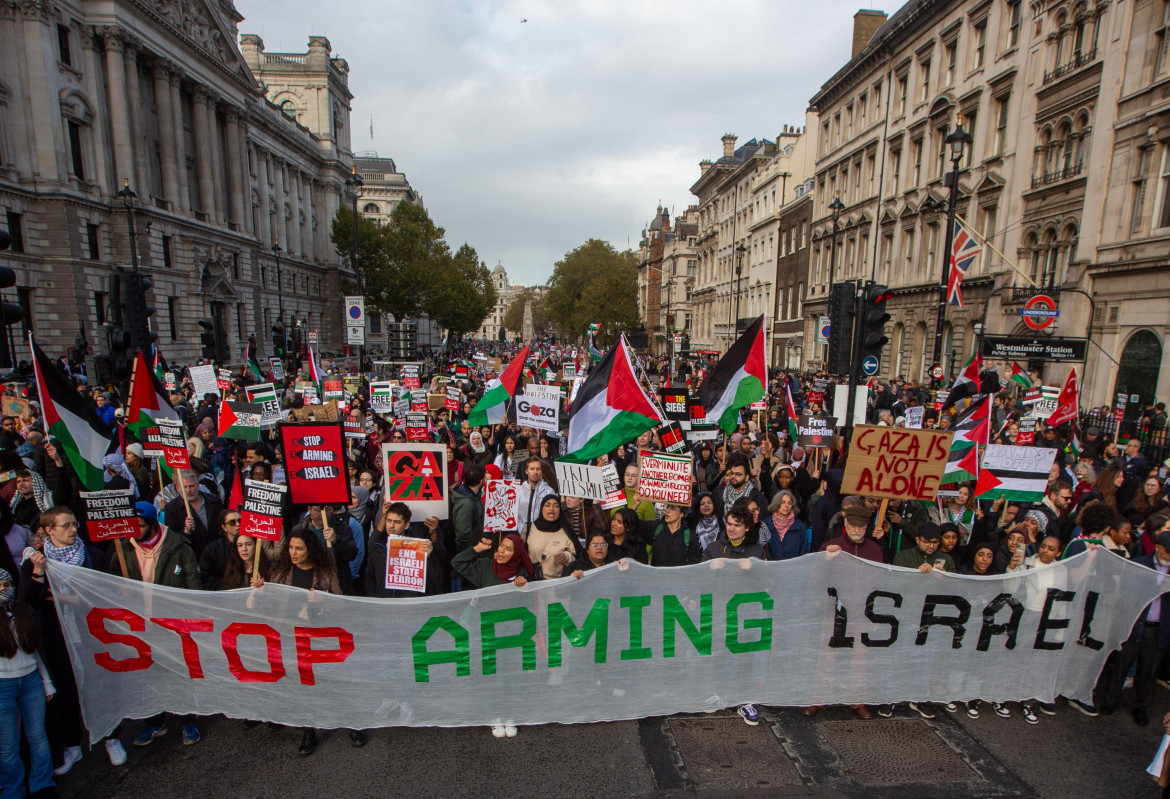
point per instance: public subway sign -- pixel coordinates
(798, 632)
(895, 462)
(314, 462)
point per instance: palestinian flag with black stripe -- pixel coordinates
(737, 380)
(148, 399)
(252, 365)
(73, 421)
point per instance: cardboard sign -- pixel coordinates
(416, 427)
(436, 402)
(914, 417)
(674, 404)
(110, 514)
(538, 413)
(15, 406)
(174, 445)
(264, 395)
(895, 462)
(152, 446)
(260, 513)
(417, 475)
(454, 399)
(203, 380)
(410, 376)
(315, 413)
(314, 463)
(815, 431)
(611, 484)
(500, 500)
(276, 367)
(586, 482)
(406, 564)
(672, 437)
(665, 478)
(223, 380)
(418, 402)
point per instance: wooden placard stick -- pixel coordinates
(121, 557)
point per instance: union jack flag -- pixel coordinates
(964, 251)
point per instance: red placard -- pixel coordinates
(174, 446)
(454, 396)
(260, 512)
(110, 514)
(314, 463)
(417, 428)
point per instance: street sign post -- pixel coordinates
(870, 365)
(823, 330)
(355, 320)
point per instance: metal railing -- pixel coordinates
(1079, 60)
(1155, 442)
(1057, 175)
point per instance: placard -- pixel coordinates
(543, 391)
(665, 478)
(500, 500)
(1016, 473)
(276, 367)
(586, 482)
(401, 408)
(174, 445)
(309, 393)
(1027, 432)
(223, 380)
(700, 430)
(436, 402)
(817, 393)
(940, 399)
(674, 404)
(815, 431)
(672, 437)
(417, 475)
(152, 446)
(382, 396)
(417, 428)
(410, 376)
(240, 420)
(261, 511)
(110, 514)
(332, 388)
(615, 494)
(355, 428)
(895, 462)
(203, 380)
(418, 401)
(406, 564)
(841, 403)
(914, 416)
(1119, 409)
(264, 394)
(314, 463)
(454, 399)
(538, 413)
(169, 381)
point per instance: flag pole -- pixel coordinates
(971, 229)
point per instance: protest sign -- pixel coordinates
(940, 399)
(152, 447)
(264, 394)
(418, 401)
(401, 408)
(382, 396)
(841, 404)
(203, 380)
(437, 401)
(569, 369)
(355, 428)
(260, 514)
(417, 475)
(1019, 474)
(169, 381)
(538, 413)
(798, 626)
(817, 393)
(700, 430)
(454, 399)
(672, 437)
(410, 376)
(815, 431)
(223, 380)
(240, 420)
(914, 417)
(416, 427)
(674, 404)
(461, 370)
(543, 391)
(579, 480)
(1027, 433)
(664, 478)
(174, 445)
(332, 388)
(314, 463)
(309, 392)
(110, 514)
(15, 406)
(895, 462)
(611, 484)
(406, 564)
(315, 413)
(276, 367)
(500, 499)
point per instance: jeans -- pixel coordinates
(23, 699)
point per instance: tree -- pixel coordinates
(461, 294)
(371, 257)
(514, 317)
(594, 283)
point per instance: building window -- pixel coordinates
(76, 162)
(16, 231)
(166, 252)
(289, 108)
(1139, 191)
(370, 208)
(375, 324)
(1164, 215)
(24, 297)
(940, 165)
(173, 316)
(92, 232)
(916, 151)
(924, 79)
(978, 43)
(63, 53)
(950, 58)
(1013, 23)
(240, 326)
(99, 306)
(236, 265)
(968, 123)
(903, 88)
(1002, 109)
(1162, 41)
(896, 170)
(990, 215)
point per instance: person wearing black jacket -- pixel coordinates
(672, 542)
(598, 552)
(333, 530)
(627, 541)
(201, 527)
(395, 521)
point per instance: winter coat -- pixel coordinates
(797, 541)
(680, 548)
(176, 566)
(375, 572)
(477, 568)
(723, 548)
(175, 518)
(466, 516)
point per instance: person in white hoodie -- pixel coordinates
(25, 687)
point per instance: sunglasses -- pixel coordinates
(232, 522)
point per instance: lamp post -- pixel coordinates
(733, 299)
(957, 140)
(128, 197)
(669, 285)
(355, 185)
(836, 207)
(276, 251)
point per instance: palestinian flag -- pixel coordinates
(240, 420)
(252, 366)
(315, 374)
(1073, 447)
(967, 383)
(1020, 376)
(160, 364)
(791, 410)
(73, 421)
(971, 430)
(610, 409)
(1019, 474)
(492, 407)
(1067, 404)
(737, 380)
(148, 400)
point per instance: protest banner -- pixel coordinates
(699, 430)
(940, 399)
(355, 428)
(276, 367)
(665, 478)
(223, 380)
(332, 388)
(203, 380)
(895, 463)
(152, 446)
(538, 413)
(169, 381)
(406, 564)
(110, 514)
(417, 428)
(240, 420)
(174, 445)
(260, 513)
(500, 500)
(579, 480)
(1019, 474)
(1027, 433)
(418, 401)
(672, 437)
(314, 463)
(674, 404)
(382, 396)
(914, 417)
(454, 398)
(15, 406)
(417, 475)
(815, 431)
(315, 413)
(817, 393)
(798, 626)
(264, 394)
(411, 375)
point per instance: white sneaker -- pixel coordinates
(498, 730)
(72, 756)
(510, 730)
(115, 751)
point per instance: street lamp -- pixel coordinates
(739, 251)
(957, 140)
(668, 285)
(836, 207)
(276, 251)
(355, 186)
(128, 197)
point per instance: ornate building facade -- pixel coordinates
(667, 265)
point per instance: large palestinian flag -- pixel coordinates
(611, 408)
(737, 380)
(492, 407)
(972, 428)
(1019, 474)
(966, 384)
(148, 400)
(73, 421)
(252, 365)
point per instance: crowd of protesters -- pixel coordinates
(756, 493)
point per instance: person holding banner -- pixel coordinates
(334, 534)
(704, 522)
(220, 552)
(672, 542)
(508, 564)
(598, 552)
(788, 537)
(532, 492)
(624, 528)
(395, 521)
(550, 547)
(583, 517)
(239, 572)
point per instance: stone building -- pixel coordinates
(229, 150)
(794, 221)
(493, 326)
(667, 264)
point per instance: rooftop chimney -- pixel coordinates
(865, 24)
(729, 144)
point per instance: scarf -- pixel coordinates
(542, 524)
(782, 523)
(146, 552)
(7, 595)
(116, 462)
(480, 448)
(707, 529)
(731, 496)
(41, 493)
(73, 555)
(363, 507)
(508, 571)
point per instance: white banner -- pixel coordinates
(537, 412)
(581, 480)
(820, 629)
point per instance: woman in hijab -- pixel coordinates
(550, 546)
(360, 509)
(706, 469)
(981, 562)
(704, 521)
(509, 564)
(475, 450)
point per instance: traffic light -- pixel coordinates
(278, 339)
(120, 353)
(10, 312)
(137, 312)
(872, 337)
(208, 340)
(840, 327)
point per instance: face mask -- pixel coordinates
(7, 595)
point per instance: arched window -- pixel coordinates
(1062, 39)
(1080, 28)
(370, 208)
(1141, 360)
(1064, 142)
(899, 348)
(289, 109)
(1051, 259)
(1081, 135)
(1069, 249)
(1043, 152)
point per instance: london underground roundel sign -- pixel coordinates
(1039, 312)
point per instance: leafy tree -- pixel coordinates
(371, 257)
(461, 294)
(514, 317)
(594, 283)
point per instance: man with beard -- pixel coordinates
(737, 486)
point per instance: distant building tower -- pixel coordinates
(528, 333)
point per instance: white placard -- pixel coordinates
(580, 480)
(538, 413)
(204, 380)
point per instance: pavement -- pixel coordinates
(833, 754)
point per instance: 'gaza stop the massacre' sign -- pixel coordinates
(895, 463)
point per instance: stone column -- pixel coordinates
(278, 195)
(203, 162)
(137, 129)
(166, 133)
(265, 233)
(235, 167)
(176, 89)
(92, 47)
(298, 228)
(218, 169)
(246, 175)
(119, 108)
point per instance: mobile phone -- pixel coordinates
(940, 563)
(1021, 548)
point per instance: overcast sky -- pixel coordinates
(526, 138)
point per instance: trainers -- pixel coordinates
(973, 709)
(885, 711)
(1029, 714)
(922, 710)
(951, 707)
(1001, 710)
(147, 736)
(510, 730)
(191, 734)
(498, 730)
(749, 714)
(1088, 710)
(1047, 708)
(72, 755)
(116, 752)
